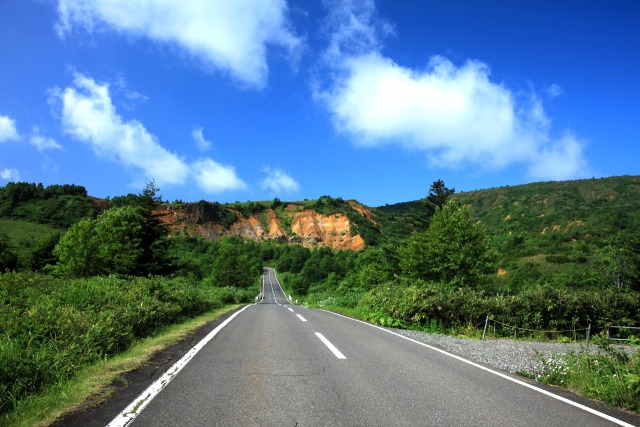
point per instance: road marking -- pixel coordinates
(301, 318)
(330, 346)
(290, 309)
(500, 374)
(130, 413)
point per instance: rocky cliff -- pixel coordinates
(292, 223)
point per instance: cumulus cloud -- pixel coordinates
(455, 114)
(43, 143)
(278, 181)
(232, 36)
(89, 116)
(8, 131)
(201, 143)
(10, 174)
(213, 177)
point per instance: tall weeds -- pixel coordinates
(51, 326)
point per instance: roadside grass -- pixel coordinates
(610, 375)
(92, 385)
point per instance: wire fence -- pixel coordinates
(496, 329)
(623, 333)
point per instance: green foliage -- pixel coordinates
(56, 205)
(25, 239)
(610, 375)
(454, 249)
(225, 262)
(620, 260)
(78, 251)
(569, 221)
(123, 240)
(438, 196)
(234, 265)
(542, 308)
(8, 259)
(53, 326)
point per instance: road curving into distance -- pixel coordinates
(278, 364)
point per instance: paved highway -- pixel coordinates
(277, 364)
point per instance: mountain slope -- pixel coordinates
(326, 222)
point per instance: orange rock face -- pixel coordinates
(319, 230)
(308, 228)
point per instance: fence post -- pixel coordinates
(515, 332)
(486, 322)
(588, 333)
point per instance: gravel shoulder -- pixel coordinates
(507, 355)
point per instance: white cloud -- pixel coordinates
(10, 174)
(456, 115)
(201, 143)
(89, 116)
(554, 91)
(8, 131)
(278, 181)
(228, 35)
(563, 159)
(213, 177)
(353, 28)
(43, 143)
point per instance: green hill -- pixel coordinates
(32, 216)
(552, 231)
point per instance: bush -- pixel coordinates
(53, 326)
(540, 308)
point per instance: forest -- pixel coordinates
(82, 279)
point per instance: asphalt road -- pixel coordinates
(277, 364)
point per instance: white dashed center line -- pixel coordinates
(330, 346)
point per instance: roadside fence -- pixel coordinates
(498, 329)
(623, 333)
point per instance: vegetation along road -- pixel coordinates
(275, 363)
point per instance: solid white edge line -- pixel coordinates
(330, 346)
(500, 374)
(130, 413)
(300, 317)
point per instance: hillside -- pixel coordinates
(552, 231)
(326, 222)
(579, 209)
(541, 224)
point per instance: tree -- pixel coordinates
(620, 260)
(8, 259)
(42, 255)
(125, 240)
(438, 196)
(119, 232)
(454, 249)
(77, 251)
(233, 265)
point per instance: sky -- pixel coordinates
(238, 100)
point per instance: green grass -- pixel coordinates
(611, 375)
(92, 385)
(22, 233)
(53, 327)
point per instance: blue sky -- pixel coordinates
(241, 100)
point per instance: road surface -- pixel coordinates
(278, 364)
